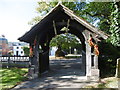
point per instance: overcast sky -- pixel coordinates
(14, 17)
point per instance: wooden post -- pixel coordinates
(83, 66)
(44, 58)
(36, 59)
(31, 58)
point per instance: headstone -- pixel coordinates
(75, 51)
(118, 68)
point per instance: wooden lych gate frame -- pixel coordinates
(41, 34)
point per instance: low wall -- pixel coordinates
(14, 61)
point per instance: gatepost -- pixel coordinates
(118, 68)
(117, 75)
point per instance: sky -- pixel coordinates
(14, 17)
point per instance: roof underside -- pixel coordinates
(59, 14)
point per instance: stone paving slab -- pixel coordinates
(62, 74)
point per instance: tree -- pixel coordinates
(104, 12)
(65, 41)
(115, 23)
(44, 7)
(108, 14)
(26, 51)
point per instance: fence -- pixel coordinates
(14, 61)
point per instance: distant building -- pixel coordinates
(17, 48)
(52, 51)
(3, 46)
(11, 48)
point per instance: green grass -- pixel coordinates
(110, 82)
(69, 57)
(11, 77)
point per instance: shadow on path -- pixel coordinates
(64, 73)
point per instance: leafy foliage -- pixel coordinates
(98, 11)
(26, 51)
(107, 59)
(44, 7)
(105, 12)
(115, 23)
(65, 41)
(108, 14)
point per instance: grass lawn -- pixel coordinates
(110, 82)
(69, 57)
(11, 77)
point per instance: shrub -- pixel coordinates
(108, 58)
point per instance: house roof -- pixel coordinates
(58, 12)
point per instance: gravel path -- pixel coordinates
(64, 73)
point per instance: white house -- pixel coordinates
(18, 50)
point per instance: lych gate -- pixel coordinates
(41, 34)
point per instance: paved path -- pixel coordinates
(63, 74)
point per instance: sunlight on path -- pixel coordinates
(63, 73)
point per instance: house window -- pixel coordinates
(21, 52)
(17, 47)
